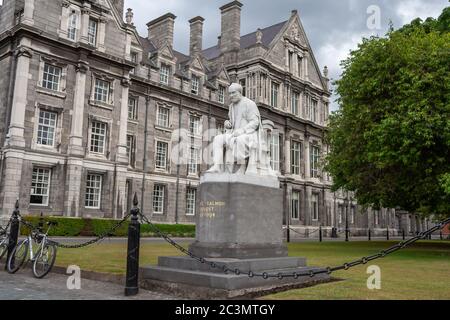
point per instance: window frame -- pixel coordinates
(297, 217)
(99, 188)
(277, 152)
(55, 128)
(92, 36)
(134, 107)
(274, 93)
(314, 209)
(105, 135)
(158, 113)
(194, 200)
(314, 160)
(195, 84)
(72, 28)
(163, 75)
(162, 201)
(47, 187)
(294, 165)
(166, 156)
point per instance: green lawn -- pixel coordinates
(421, 271)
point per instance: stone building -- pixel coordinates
(92, 113)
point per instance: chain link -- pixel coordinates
(78, 245)
(296, 275)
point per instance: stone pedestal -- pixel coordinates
(239, 225)
(239, 219)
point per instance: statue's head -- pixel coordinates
(235, 92)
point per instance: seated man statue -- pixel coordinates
(244, 135)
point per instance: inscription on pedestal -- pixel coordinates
(209, 209)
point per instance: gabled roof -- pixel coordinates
(249, 40)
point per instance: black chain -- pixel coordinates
(296, 275)
(79, 245)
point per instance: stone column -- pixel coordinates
(85, 22)
(19, 102)
(76, 134)
(101, 34)
(120, 206)
(12, 177)
(305, 67)
(73, 196)
(121, 156)
(28, 12)
(306, 158)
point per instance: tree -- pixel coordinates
(390, 139)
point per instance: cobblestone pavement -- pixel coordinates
(23, 286)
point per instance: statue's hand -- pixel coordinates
(238, 132)
(228, 124)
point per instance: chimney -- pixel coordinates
(195, 44)
(231, 26)
(161, 29)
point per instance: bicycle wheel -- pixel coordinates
(18, 256)
(3, 246)
(45, 259)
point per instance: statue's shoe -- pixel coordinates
(215, 169)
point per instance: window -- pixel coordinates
(92, 32)
(195, 84)
(131, 149)
(296, 148)
(102, 91)
(40, 186)
(295, 205)
(299, 65)
(315, 207)
(352, 214)
(314, 161)
(164, 73)
(290, 60)
(93, 191)
(158, 199)
(51, 77)
(163, 117)
(243, 84)
(275, 152)
(161, 155)
(134, 57)
(72, 28)
(98, 137)
(294, 103)
(46, 128)
(274, 97)
(132, 109)
(191, 195)
(221, 94)
(194, 124)
(313, 110)
(193, 161)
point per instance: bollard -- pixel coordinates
(403, 234)
(370, 235)
(134, 229)
(14, 231)
(288, 235)
(320, 233)
(387, 234)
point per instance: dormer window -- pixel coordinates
(164, 73)
(221, 94)
(195, 84)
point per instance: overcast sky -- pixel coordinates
(333, 27)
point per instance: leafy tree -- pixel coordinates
(390, 139)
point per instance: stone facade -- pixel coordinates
(92, 114)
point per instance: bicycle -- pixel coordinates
(43, 260)
(4, 241)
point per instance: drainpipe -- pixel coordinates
(180, 109)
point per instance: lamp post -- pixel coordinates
(346, 217)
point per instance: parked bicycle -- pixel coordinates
(4, 241)
(44, 258)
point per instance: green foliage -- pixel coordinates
(73, 227)
(390, 140)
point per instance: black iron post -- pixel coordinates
(14, 230)
(403, 234)
(387, 233)
(346, 218)
(320, 233)
(134, 229)
(370, 235)
(288, 234)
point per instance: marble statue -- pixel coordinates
(244, 140)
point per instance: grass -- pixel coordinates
(417, 272)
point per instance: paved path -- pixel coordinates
(23, 286)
